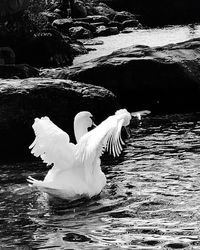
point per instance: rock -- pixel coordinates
(79, 32)
(130, 23)
(114, 31)
(99, 18)
(115, 24)
(63, 24)
(104, 10)
(98, 24)
(51, 16)
(123, 16)
(85, 25)
(23, 100)
(61, 13)
(93, 19)
(79, 9)
(18, 71)
(161, 79)
(7, 56)
(106, 31)
(78, 48)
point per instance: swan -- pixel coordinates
(76, 168)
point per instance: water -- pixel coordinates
(150, 37)
(151, 201)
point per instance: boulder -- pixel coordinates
(104, 10)
(63, 24)
(115, 24)
(106, 31)
(162, 79)
(99, 18)
(130, 23)
(18, 71)
(51, 16)
(23, 100)
(85, 25)
(123, 16)
(79, 32)
(79, 9)
(93, 19)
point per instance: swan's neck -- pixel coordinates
(79, 130)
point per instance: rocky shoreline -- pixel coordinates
(163, 79)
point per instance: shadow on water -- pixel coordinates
(151, 200)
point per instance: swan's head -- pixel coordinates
(82, 121)
(84, 118)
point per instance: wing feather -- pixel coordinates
(105, 137)
(52, 144)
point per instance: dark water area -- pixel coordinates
(151, 200)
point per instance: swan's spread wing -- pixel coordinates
(52, 144)
(106, 136)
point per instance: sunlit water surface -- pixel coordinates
(150, 37)
(151, 201)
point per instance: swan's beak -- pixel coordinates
(128, 131)
(92, 126)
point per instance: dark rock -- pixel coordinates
(161, 79)
(106, 31)
(92, 42)
(7, 56)
(63, 24)
(105, 10)
(51, 16)
(127, 30)
(61, 13)
(115, 24)
(98, 24)
(123, 16)
(130, 23)
(82, 19)
(114, 31)
(78, 48)
(23, 100)
(79, 9)
(98, 18)
(93, 19)
(18, 71)
(79, 32)
(85, 25)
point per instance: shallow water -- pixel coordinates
(151, 201)
(150, 37)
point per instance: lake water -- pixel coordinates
(150, 37)
(151, 201)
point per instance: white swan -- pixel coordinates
(76, 170)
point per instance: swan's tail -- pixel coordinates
(34, 183)
(53, 192)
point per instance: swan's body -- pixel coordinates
(76, 168)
